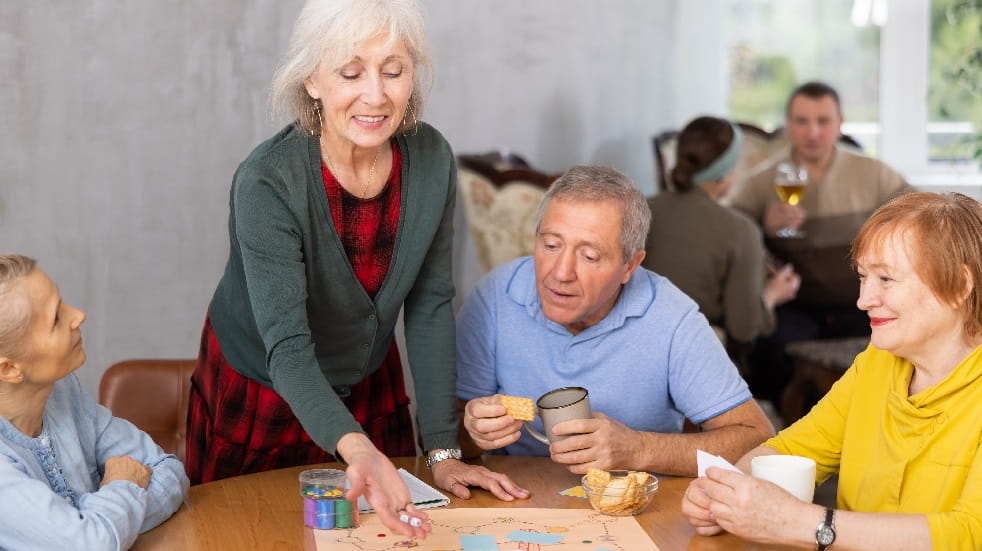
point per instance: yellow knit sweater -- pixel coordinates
(898, 453)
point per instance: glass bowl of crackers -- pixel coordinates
(619, 493)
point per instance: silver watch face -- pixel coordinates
(825, 535)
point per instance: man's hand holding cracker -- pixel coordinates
(488, 423)
(490, 427)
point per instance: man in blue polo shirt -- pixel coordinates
(580, 312)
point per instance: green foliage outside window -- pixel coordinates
(955, 79)
(760, 86)
(776, 45)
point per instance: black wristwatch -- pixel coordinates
(825, 533)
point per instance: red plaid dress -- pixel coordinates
(238, 426)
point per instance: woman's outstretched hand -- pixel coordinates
(372, 474)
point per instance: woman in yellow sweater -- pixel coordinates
(903, 425)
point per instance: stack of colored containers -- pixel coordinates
(324, 505)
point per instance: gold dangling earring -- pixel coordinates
(316, 108)
(410, 111)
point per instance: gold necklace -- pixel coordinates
(371, 171)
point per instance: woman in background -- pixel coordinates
(902, 426)
(714, 254)
(338, 222)
(72, 476)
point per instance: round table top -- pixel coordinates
(265, 510)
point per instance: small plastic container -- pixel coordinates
(324, 505)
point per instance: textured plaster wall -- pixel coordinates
(121, 124)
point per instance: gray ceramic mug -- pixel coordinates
(556, 406)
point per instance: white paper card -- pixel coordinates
(704, 460)
(424, 496)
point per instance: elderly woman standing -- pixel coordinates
(902, 427)
(72, 476)
(337, 222)
(712, 253)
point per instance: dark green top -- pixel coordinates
(289, 311)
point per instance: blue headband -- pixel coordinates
(725, 162)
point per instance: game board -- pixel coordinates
(510, 528)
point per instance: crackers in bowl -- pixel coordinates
(619, 492)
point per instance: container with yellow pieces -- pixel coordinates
(324, 505)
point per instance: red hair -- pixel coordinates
(943, 237)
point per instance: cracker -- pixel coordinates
(521, 409)
(598, 478)
(640, 478)
(617, 495)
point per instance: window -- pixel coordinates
(884, 63)
(776, 45)
(954, 90)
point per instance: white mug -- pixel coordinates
(794, 473)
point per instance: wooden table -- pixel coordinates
(264, 510)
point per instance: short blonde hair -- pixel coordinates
(15, 313)
(330, 31)
(943, 236)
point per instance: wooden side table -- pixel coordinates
(818, 364)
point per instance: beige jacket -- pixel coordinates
(854, 183)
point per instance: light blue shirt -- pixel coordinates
(650, 363)
(49, 486)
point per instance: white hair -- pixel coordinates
(330, 32)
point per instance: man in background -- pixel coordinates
(844, 187)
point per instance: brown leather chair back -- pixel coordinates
(503, 168)
(153, 395)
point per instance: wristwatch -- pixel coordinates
(825, 533)
(442, 455)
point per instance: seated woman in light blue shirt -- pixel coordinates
(72, 476)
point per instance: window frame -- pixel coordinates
(905, 49)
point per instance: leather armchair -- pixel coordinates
(153, 395)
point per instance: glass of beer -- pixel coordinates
(790, 182)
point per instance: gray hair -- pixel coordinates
(15, 312)
(600, 183)
(329, 32)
